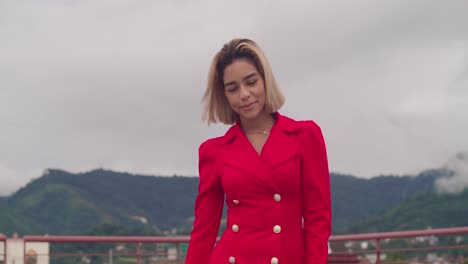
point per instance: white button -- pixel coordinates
(274, 260)
(277, 197)
(232, 260)
(235, 201)
(235, 228)
(277, 229)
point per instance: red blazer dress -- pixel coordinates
(279, 209)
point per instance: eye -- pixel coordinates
(252, 82)
(231, 89)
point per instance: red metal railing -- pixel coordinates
(138, 241)
(378, 237)
(340, 256)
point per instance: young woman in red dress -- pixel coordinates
(270, 170)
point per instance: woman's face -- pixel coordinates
(245, 89)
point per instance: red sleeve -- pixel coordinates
(208, 206)
(316, 202)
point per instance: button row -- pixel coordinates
(276, 230)
(274, 260)
(276, 197)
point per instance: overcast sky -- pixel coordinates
(117, 84)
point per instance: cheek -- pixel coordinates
(260, 90)
(232, 102)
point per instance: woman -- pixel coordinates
(271, 170)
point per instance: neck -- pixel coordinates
(262, 123)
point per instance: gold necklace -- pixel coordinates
(263, 132)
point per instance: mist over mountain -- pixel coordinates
(458, 180)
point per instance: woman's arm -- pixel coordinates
(315, 194)
(208, 206)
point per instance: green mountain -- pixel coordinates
(63, 203)
(430, 210)
(60, 202)
(355, 198)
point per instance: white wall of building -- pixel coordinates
(15, 248)
(2, 252)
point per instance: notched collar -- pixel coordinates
(285, 123)
(279, 147)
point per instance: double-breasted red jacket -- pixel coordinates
(279, 209)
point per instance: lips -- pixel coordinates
(248, 106)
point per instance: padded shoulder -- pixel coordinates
(209, 148)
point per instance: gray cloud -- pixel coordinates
(117, 84)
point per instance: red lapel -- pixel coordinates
(278, 148)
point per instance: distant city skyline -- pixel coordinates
(118, 84)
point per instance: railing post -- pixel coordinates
(111, 256)
(377, 250)
(24, 252)
(138, 253)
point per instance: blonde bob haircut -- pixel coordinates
(216, 107)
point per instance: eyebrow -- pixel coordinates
(245, 78)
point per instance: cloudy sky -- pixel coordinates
(117, 84)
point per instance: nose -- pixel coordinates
(244, 93)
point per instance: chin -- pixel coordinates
(250, 116)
